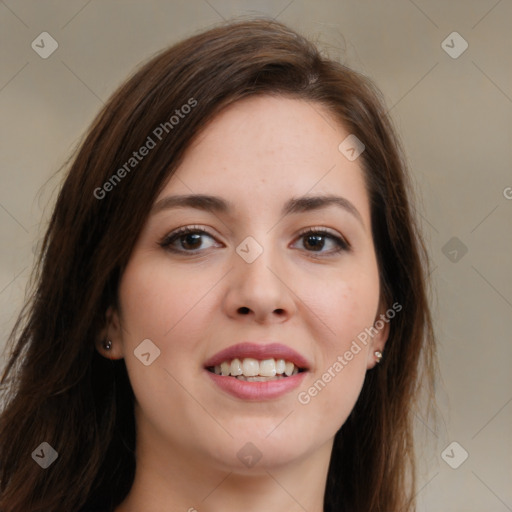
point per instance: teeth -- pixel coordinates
(236, 367)
(251, 369)
(259, 379)
(225, 368)
(268, 368)
(288, 369)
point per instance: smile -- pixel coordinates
(257, 371)
(252, 370)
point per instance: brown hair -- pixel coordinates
(63, 392)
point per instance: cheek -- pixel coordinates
(328, 397)
(151, 310)
(158, 303)
(344, 307)
(164, 307)
(344, 304)
(172, 309)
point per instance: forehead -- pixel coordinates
(270, 148)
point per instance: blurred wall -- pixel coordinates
(446, 73)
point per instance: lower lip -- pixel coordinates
(257, 390)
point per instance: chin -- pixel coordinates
(265, 446)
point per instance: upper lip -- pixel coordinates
(261, 351)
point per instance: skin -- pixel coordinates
(257, 154)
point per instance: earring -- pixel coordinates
(107, 344)
(378, 356)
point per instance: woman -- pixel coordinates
(230, 308)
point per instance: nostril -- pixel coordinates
(243, 310)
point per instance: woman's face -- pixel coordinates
(252, 273)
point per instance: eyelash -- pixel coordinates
(165, 243)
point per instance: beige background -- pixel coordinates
(455, 118)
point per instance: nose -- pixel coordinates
(260, 291)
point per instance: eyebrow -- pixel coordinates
(216, 204)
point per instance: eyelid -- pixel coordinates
(342, 243)
(328, 231)
(165, 241)
(186, 229)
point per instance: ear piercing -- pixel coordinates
(107, 344)
(378, 356)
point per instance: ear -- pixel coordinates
(380, 331)
(111, 332)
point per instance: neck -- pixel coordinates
(167, 475)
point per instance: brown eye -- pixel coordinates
(186, 240)
(317, 240)
(314, 242)
(190, 241)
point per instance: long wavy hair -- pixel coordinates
(58, 389)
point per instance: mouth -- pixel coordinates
(257, 371)
(250, 369)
